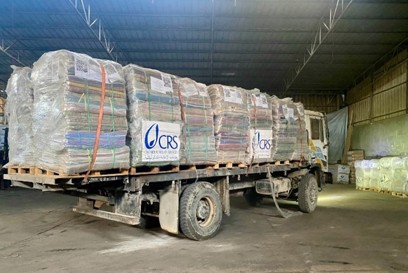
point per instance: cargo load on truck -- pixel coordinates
(198, 124)
(154, 117)
(231, 123)
(19, 110)
(68, 89)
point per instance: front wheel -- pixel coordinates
(307, 193)
(200, 211)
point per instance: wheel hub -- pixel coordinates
(203, 210)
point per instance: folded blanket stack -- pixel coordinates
(19, 109)
(154, 117)
(302, 147)
(231, 123)
(198, 128)
(67, 95)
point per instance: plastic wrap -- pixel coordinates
(365, 166)
(154, 117)
(302, 148)
(261, 123)
(198, 124)
(387, 172)
(231, 123)
(375, 176)
(285, 128)
(67, 94)
(399, 175)
(359, 173)
(19, 109)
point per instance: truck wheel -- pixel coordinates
(252, 198)
(200, 211)
(307, 194)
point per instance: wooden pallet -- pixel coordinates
(24, 170)
(138, 170)
(229, 165)
(397, 194)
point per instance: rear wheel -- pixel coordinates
(307, 194)
(200, 211)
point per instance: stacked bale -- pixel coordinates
(285, 128)
(67, 96)
(154, 117)
(198, 124)
(261, 123)
(231, 123)
(19, 109)
(302, 147)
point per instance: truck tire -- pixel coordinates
(200, 211)
(307, 194)
(252, 198)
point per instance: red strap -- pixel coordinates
(100, 118)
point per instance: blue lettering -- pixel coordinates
(150, 144)
(164, 141)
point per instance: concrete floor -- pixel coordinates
(351, 231)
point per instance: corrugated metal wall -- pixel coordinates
(321, 103)
(383, 94)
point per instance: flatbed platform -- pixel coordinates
(35, 175)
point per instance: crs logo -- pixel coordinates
(262, 143)
(153, 138)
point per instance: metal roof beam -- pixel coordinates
(191, 29)
(184, 41)
(325, 28)
(100, 33)
(5, 50)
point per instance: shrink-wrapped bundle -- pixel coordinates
(375, 176)
(359, 173)
(285, 128)
(365, 166)
(261, 123)
(302, 148)
(19, 109)
(231, 123)
(198, 124)
(387, 172)
(68, 90)
(400, 171)
(154, 117)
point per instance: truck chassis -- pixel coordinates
(189, 201)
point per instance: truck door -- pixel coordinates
(318, 139)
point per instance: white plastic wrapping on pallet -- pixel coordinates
(67, 97)
(19, 109)
(231, 123)
(198, 141)
(261, 123)
(154, 117)
(385, 174)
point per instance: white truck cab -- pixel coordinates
(318, 140)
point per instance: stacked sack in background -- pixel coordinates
(286, 128)
(19, 109)
(389, 174)
(67, 96)
(261, 123)
(231, 123)
(154, 117)
(198, 125)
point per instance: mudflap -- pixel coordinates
(169, 208)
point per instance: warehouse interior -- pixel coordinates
(344, 58)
